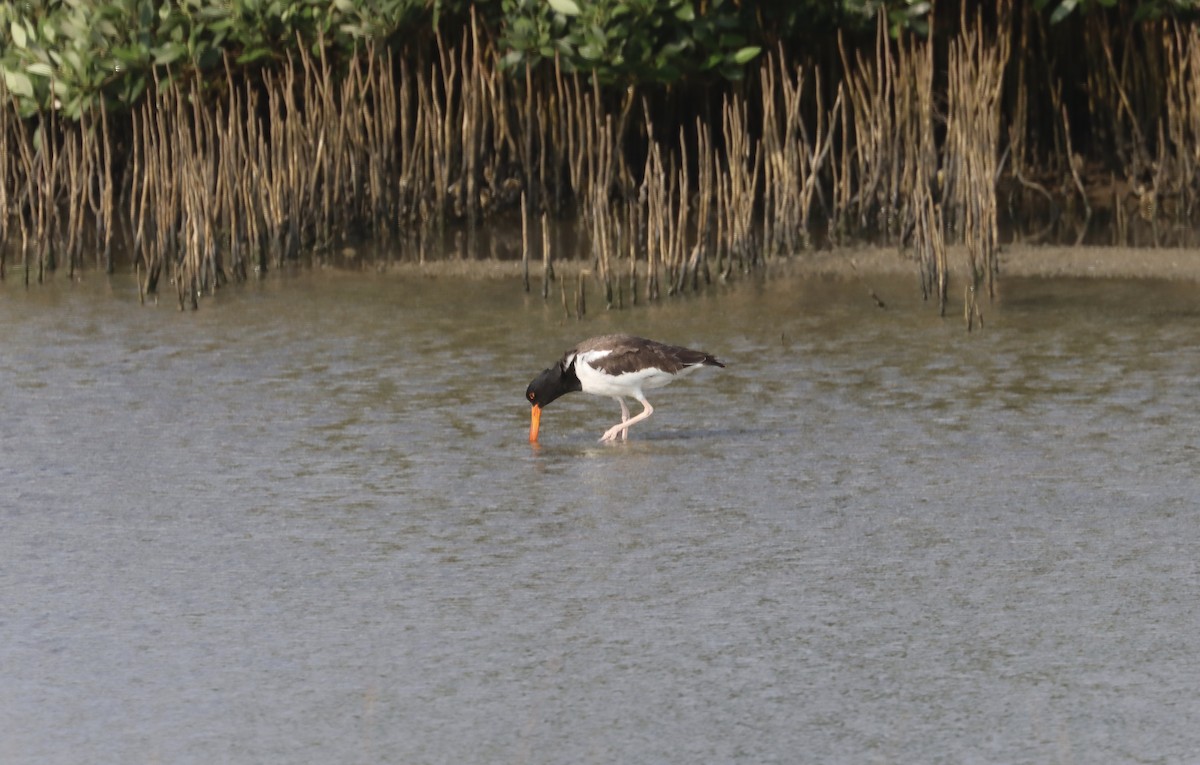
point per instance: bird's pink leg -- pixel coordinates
(611, 433)
(623, 429)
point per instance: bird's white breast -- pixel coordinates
(600, 383)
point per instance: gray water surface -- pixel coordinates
(304, 525)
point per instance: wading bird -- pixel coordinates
(618, 366)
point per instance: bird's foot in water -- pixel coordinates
(612, 433)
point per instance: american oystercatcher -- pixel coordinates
(619, 366)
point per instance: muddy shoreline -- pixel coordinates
(1015, 260)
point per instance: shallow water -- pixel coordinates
(304, 525)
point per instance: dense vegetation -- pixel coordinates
(217, 139)
(67, 54)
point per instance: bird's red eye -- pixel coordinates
(532, 396)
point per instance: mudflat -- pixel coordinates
(1015, 260)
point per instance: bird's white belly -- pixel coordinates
(628, 384)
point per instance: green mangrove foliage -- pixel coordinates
(1143, 10)
(67, 55)
(629, 40)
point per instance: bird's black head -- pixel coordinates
(551, 384)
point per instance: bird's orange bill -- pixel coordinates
(535, 423)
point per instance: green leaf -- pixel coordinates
(18, 34)
(255, 54)
(18, 84)
(591, 51)
(746, 54)
(74, 61)
(1063, 10)
(130, 55)
(670, 50)
(565, 7)
(170, 53)
(40, 68)
(686, 12)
